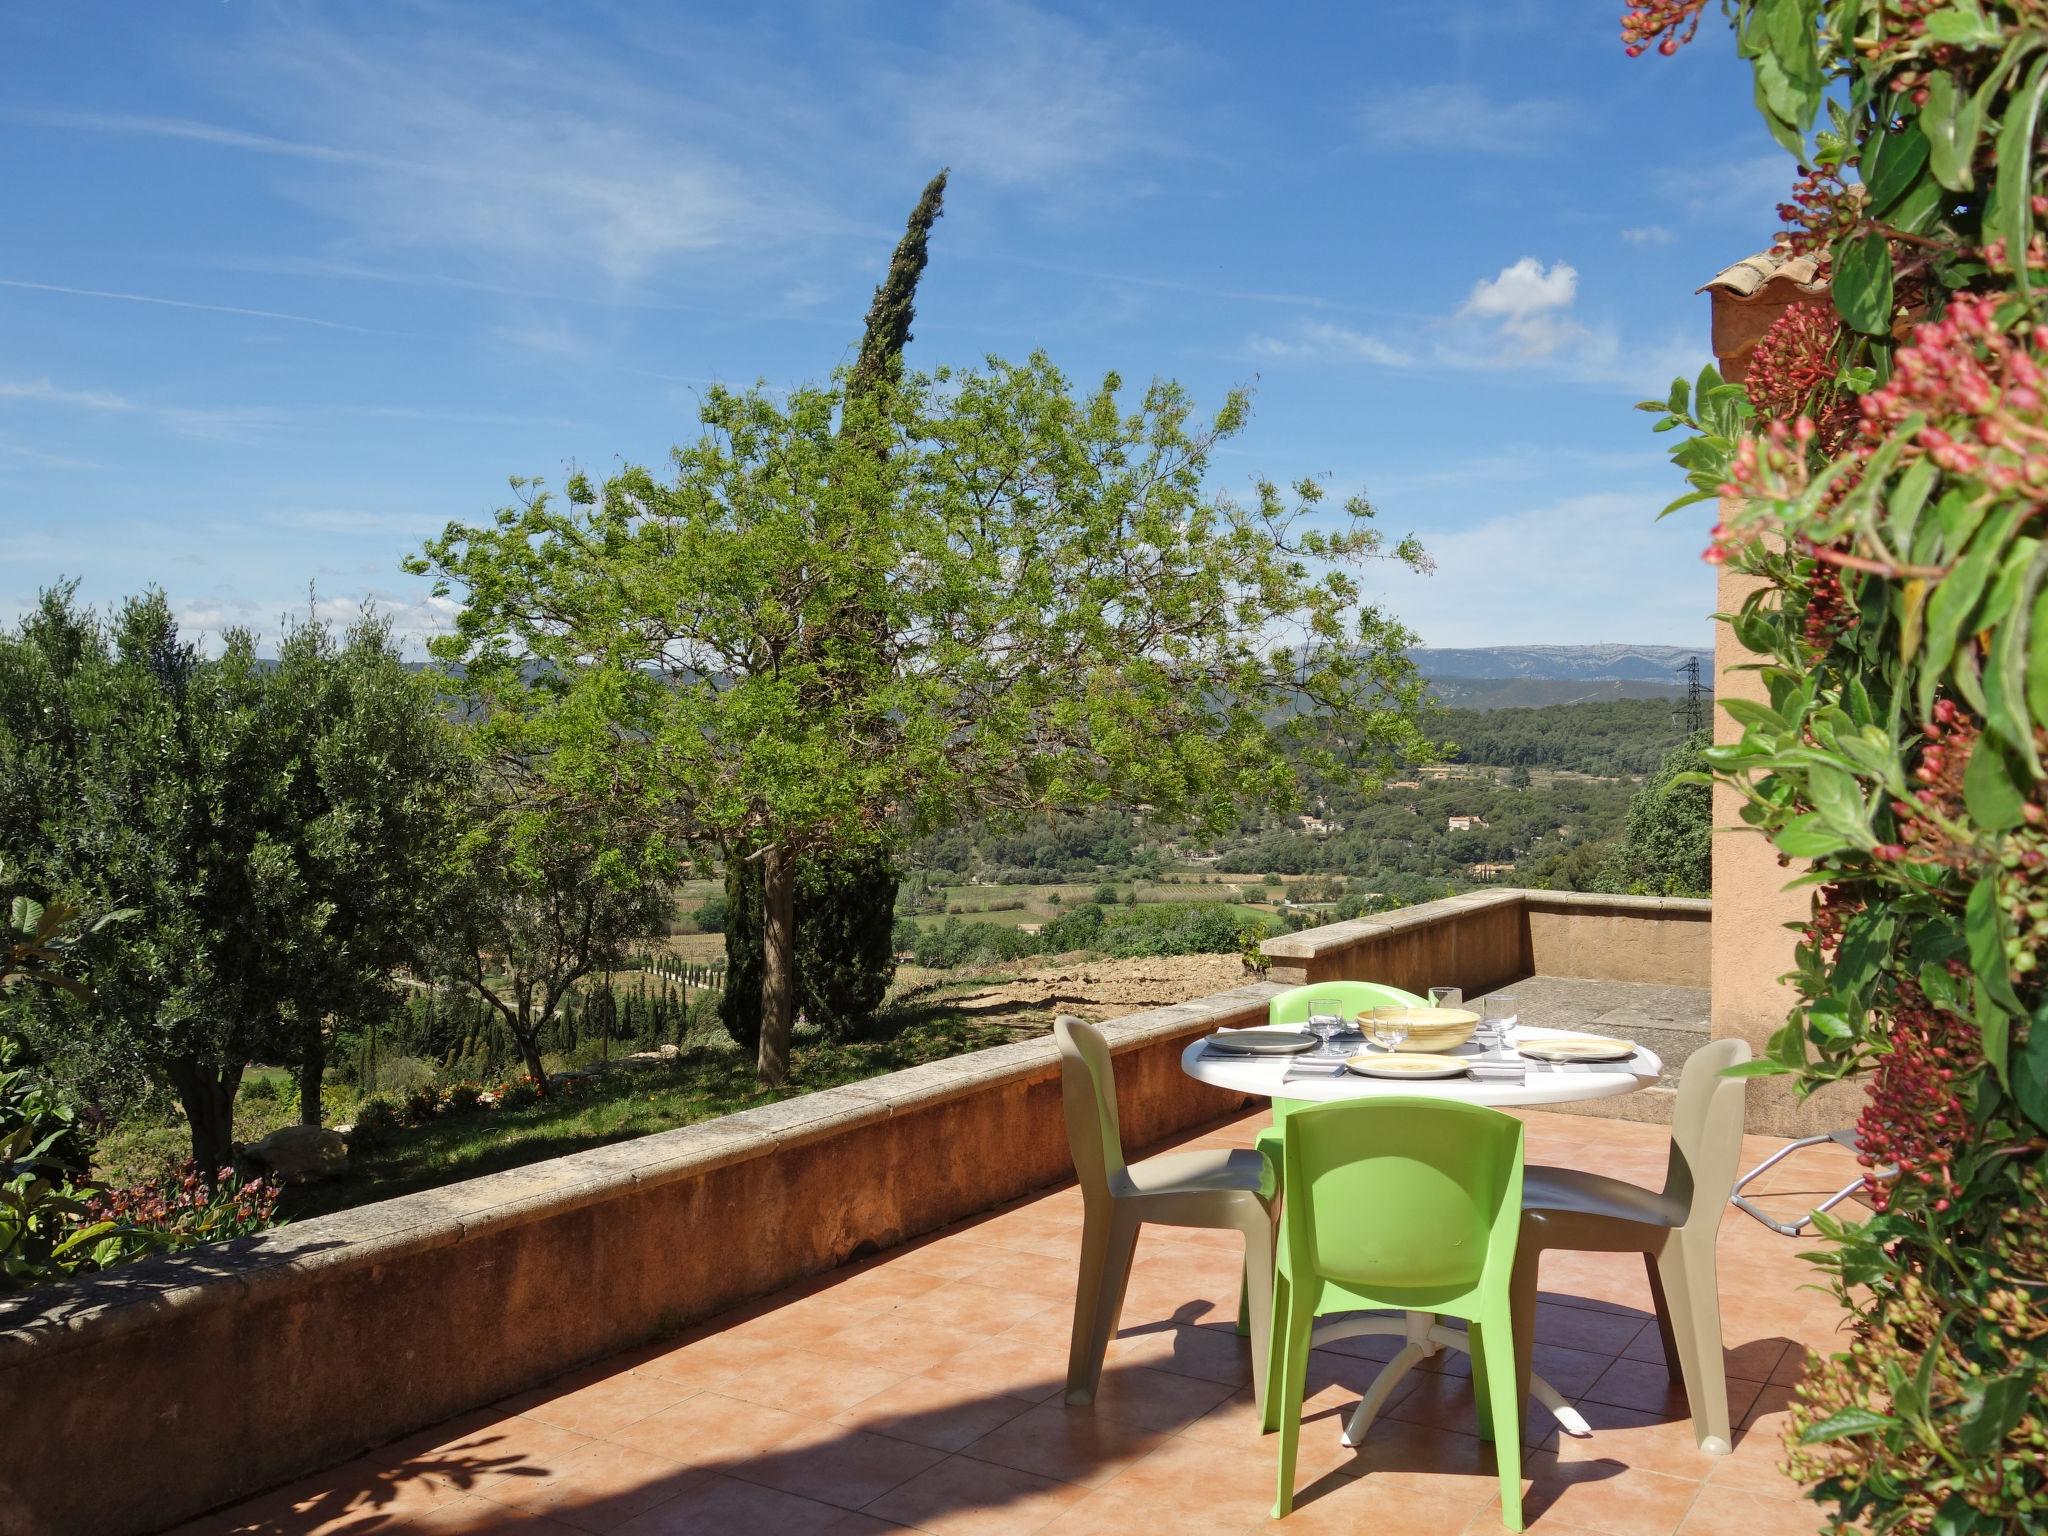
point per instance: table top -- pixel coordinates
(1543, 1084)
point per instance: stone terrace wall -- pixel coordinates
(166, 1388)
(1486, 939)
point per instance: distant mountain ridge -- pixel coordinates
(1570, 663)
(1541, 692)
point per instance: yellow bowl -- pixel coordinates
(1429, 1029)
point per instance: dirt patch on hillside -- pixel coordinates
(1090, 989)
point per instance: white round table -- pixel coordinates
(1283, 1078)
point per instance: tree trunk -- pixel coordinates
(312, 1070)
(778, 963)
(526, 1035)
(208, 1097)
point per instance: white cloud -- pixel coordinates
(1524, 314)
(1523, 320)
(1647, 234)
(517, 155)
(1539, 575)
(1020, 95)
(1463, 119)
(1320, 339)
(416, 617)
(230, 424)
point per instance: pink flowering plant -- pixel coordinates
(1883, 471)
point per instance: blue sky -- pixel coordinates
(290, 286)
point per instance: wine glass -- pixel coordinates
(1446, 997)
(1325, 1020)
(1389, 1030)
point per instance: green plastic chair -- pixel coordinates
(1292, 1006)
(1408, 1204)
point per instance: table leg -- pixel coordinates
(1424, 1336)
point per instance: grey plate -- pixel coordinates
(1261, 1042)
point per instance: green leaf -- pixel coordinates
(2027, 1068)
(2037, 664)
(1989, 1411)
(1751, 715)
(1809, 837)
(1951, 122)
(1850, 1421)
(2011, 212)
(1963, 26)
(1984, 926)
(1836, 797)
(2010, 617)
(1862, 287)
(1992, 788)
(1893, 171)
(1762, 1066)
(1956, 595)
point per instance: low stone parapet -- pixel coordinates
(162, 1389)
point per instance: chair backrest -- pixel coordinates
(1706, 1132)
(1088, 1090)
(1295, 1004)
(1403, 1195)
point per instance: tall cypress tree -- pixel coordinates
(846, 902)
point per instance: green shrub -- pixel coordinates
(376, 1117)
(182, 1211)
(1105, 895)
(421, 1105)
(399, 1077)
(523, 1094)
(462, 1099)
(42, 1152)
(1180, 928)
(710, 917)
(1072, 930)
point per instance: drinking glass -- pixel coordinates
(1497, 1016)
(1446, 997)
(1389, 1031)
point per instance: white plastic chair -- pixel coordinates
(1675, 1229)
(1227, 1190)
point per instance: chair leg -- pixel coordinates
(1495, 1336)
(1287, 1391)
(1672, 1363)
(1257, 1301)
(1693, 1293)
(1108, 1236)
(1276, 1349)
(1522, 1288)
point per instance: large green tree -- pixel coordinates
(1032, 601)
(1669, 846)
(844, 953)
(277, 830)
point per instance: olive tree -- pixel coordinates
(277, 829)
(546, 898)
(1032, 601)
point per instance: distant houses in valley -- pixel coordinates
(1467, 823)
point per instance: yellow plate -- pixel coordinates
(1402, 1064)
(1579, 1048)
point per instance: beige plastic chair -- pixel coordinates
(1674, 1229)
(1176, 1189)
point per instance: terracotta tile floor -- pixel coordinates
(921, 1391)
